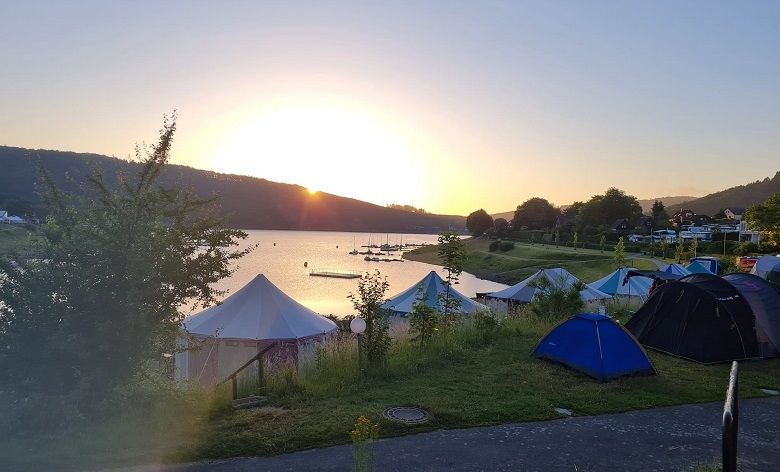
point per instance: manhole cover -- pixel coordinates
(407, 414)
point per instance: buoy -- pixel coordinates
(337, 246)
(274, 244)
(306, 264)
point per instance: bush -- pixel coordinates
(506, 246)
(554, 302)
(494, 245)
(746, 248)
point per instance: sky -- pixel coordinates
(449, 106)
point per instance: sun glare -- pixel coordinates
(324, 148)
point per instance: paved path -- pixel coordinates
(661, 439)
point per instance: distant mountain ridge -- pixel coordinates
(669, 202)
(246, 202)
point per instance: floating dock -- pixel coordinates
(338, 274)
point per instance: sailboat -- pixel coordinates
(354, 251)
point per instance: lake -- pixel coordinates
(281, 255)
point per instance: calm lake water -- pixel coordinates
(281, 256)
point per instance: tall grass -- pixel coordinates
(333, 366)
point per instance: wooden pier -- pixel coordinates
(338, 274)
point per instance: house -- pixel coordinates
(734, 213)
(682, 217)
(4, 216)
(564, 220)
(619, 226)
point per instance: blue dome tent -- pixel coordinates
(595, 345)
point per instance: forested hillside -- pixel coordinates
(742, 196)
(246, 202)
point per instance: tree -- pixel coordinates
(367, 302)
(694, 246)
(453, 255)
(557, 238)
(478, 222)
(501, 227)
(620, 253)
(103, 303)
(607, 208)
(423, 319)
(602, 242)
(535, 213)
(659, 214)
(664, 247)
(573, 209)
(575, 241)
(679, 250)
(765, 217)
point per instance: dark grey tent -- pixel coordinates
(764, 300)
(710, 319)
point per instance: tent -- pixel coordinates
(768, 267)
(223, 337)
(613, 284)
(710, 319)
(525, 291)
(429, 289)
(697, 268)
(676, 269)
(764, 300)
(595, 345)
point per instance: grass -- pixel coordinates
(513, 266)
(463, 380)
(14, 238)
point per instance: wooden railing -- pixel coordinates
(233, 378)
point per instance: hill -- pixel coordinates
(742, 196)
(669, 202)
(246, 202)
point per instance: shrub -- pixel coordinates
(555, 302)
(746, 248)
(494, 245)
(506, 246)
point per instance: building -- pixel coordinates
(734, 213)
(682, 217)
(619, 226)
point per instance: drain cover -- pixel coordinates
(407, 414)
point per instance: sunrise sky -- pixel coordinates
(443, 105)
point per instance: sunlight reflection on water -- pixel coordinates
(283, 264)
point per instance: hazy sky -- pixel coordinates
(444, 105)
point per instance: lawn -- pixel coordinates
(464, 380)
(14, 237)
(513, 266)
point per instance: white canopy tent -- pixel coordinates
(429, 289)
(221, 338)
(526, 290)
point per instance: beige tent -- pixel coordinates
(220, 339)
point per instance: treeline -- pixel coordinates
(595, 216)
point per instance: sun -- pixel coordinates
(325, 148)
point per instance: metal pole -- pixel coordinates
(359, 352)
(731, 421)
(234, 383)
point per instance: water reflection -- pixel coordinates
(281, 256)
